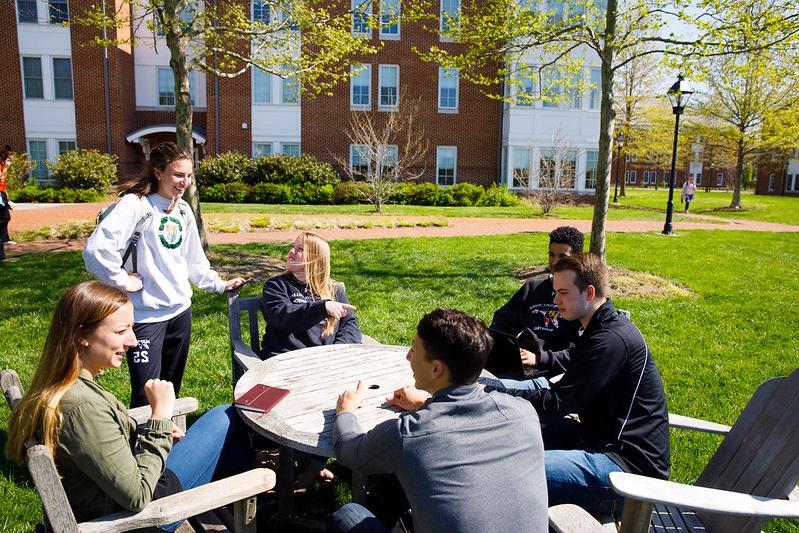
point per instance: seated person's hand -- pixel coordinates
(350, 400)
(161, 397)
(528, 357)
(177, 433)
(408, 398)
(232, 284)
(337, 309)
(134, 283)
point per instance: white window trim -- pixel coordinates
(48, 18)
(37, 21)
(43, 166)
(454, 170)
(254, 153)
(71, 77)
(283, 82)
(270, 79)
(441, 37)
(771, 182)
(158, 88)
(367, 69)
(441, 77)
(390, 36)
(380, 106)
(75, 141)
(354, 5)
(719, 179)
(297, 144)
(512, 166)
(42, 67)
(252, 13)
(353, 149)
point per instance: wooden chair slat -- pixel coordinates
(48, 484)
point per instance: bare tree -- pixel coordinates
(389, 148)
(557, 171)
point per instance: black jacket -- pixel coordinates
(295, 317)
(614, 386)
(532, 313)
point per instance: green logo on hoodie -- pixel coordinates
(170, 232)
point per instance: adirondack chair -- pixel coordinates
(239, 490)
(747, 480)
(244, 356)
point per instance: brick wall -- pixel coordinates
(12, 122)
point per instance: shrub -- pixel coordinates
(237, 192)
(84, 169)
(19, 170)
(49, 195)
(499, 196)
(227, 167)
(424, 194)
(308, 193)
(278, 168)
(272, 193)
(349, 192)
(213, 193)
(466, 194)
(402, 193)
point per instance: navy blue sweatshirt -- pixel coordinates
(295, 317)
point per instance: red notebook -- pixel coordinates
(261, 398)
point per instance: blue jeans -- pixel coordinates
(581, 477)
(355, 518)
(216, 446)
(510, 382)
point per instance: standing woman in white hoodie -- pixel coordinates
(157, 271)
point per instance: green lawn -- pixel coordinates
(779, 209)
(713, 348)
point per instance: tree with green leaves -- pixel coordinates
(747, 92)
(307, 40)
(509, 35)
(652, 138)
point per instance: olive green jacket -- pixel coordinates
(105, 465)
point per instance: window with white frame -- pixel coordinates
(260, 11)
(386, 157)
(389, 18)
(560, 90)
(591, 165)
(361, 86)
(450, 15)
(26, 11)
(771, 182)
(630, 176)
(446, 165)
(666, 176)
(520, 167)
(37, 150)
(58, 11)
(557, 169)
(524, 86)
(595, 96)
(290, 88)
(290, 149)
(359, 160)
(33, 82)
(66, 146)
(261, 150)
(448, 88)
(699, 178)
(261, 86)
(790, 185)
(719, 179)
(62, 78)
(361, 11)
(645, 178)
(166, 87)
(388, 84)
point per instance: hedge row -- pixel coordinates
(349, 192)
(49, 195)
(233, 167)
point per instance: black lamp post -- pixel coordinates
(678, 96)
(619, 145)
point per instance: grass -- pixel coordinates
(764, 208)
(713, 347)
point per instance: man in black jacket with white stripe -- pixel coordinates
(613, 384)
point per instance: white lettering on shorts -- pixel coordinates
(142, 352)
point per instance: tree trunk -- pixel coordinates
(606, 121)
(183, 110)
(739, 169)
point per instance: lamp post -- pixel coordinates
(678, 96)
(619, 145)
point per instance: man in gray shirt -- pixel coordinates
(468, 461)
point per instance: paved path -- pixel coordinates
(29, 217)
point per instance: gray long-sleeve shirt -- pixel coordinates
(469, 461)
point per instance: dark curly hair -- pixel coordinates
(568, 235)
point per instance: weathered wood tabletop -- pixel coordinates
(303, 420)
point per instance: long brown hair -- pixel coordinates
(163, 155)
(78, 313)
(317, 273)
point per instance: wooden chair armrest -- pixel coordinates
(697, 424)
(569, 518)
(653, 490)
(366, 339)
(245, 357)
(187, 503)
(182, 406)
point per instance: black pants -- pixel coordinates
(5, 217)
(161, 352)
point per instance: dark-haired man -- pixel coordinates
(612, 383)
(544, 336)
(468, 461)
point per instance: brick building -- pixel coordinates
(60, 95)
(778, 175)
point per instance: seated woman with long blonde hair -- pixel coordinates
(304, 306)
(105, 463)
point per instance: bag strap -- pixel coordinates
(134, 239)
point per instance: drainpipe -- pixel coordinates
(106, 91)
(499, 140)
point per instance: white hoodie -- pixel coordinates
(169, 256)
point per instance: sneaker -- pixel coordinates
(11, 243)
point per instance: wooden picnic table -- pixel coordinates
(303, 420)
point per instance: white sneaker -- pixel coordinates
(10, 243)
